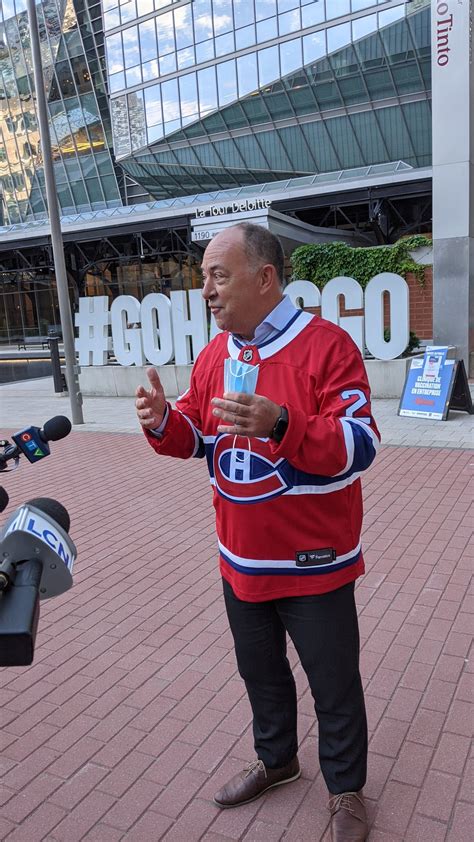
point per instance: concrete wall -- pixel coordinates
(386, 378)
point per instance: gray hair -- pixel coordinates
(264, 247)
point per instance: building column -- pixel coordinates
(453, 175)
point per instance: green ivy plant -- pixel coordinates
(322, 261)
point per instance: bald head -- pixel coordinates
(243, 273)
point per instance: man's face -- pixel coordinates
(231, 284)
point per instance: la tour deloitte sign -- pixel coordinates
(161, 330)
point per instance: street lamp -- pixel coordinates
(72, 375)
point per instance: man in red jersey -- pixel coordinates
(285, 465)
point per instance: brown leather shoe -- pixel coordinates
(253, 781)
(348, 817)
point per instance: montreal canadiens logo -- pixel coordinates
(246, 476)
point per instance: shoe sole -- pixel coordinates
(262, 792)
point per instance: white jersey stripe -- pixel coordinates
(284, 564)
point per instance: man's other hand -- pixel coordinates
(246, 415)
(151, 403)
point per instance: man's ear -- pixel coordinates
(268, 279)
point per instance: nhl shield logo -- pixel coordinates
(247, 355)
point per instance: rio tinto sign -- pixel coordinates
(160, 330)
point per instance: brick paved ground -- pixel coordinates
(132, 714)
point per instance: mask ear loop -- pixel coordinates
(249, 447)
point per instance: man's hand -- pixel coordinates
(151, 403)
(246, 415)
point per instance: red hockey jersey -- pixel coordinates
(288, 515)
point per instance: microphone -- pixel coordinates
(33, 442)
(4, 498)
(37, 558)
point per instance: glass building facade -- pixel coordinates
(211, 94)
(79, 122)
(158, 104)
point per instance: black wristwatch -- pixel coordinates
(281, 425)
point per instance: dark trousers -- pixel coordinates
(325, 632)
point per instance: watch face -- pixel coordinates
(280, 427)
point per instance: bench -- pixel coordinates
(33, 340)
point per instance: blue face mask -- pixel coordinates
(239, 376)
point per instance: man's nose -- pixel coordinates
(207, 290)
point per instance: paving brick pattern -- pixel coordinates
(132, 714)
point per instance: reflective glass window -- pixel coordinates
(114, 53)
(224, 44)
(226, 82)
(336, 8)
(94, 191)
(407, 78)
(290, 56)
(134, 76)
(266, 30)
(345, 142)
(144, 7)
(314, 46)
(120, 126)
(268, 65)
(207, 89)
(109, 4)
(168, 64)
(286, 5)
(183, 24)
(289, 22)
(338, 36)
(116, 82)
(155, 133)
(391, 15)
(314, 13)
(166, 34)
(188, 95)
(148, 43)
(150, 70)
(327, 95)
(357, 5)
(265, 9)
(379, 83)
(131, 51)
(185, 58)
(368, 134)
(353, 89)
(247, 74)
(153, 105)
(223, 21)
(245, 37)
(202, 12)
(363, 26)
(128, 10)
(204, 50)
(244, 13)
(111, 19)
(79, 194)
(302, 100)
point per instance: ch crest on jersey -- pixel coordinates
(246, 475)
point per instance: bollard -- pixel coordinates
(56, 365)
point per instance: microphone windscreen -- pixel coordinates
(4, 498)
(56, 428)
(53, 509)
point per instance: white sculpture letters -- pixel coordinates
(176, 327)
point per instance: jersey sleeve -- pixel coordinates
(341, 437)
(182, 435)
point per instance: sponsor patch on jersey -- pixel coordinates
(308, 558)
(246, 475)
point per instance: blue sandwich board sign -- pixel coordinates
(435, 384)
